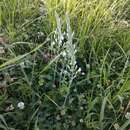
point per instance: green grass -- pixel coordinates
(95, 22)
(67, 61)
(14, 15)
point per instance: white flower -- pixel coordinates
(62, 38)
(83, 73)
(75, 62)
(53, 43)
(79, 70)
(64, 54)
(21, 105)
(75, 51)
(81, 121)
(60, 41)
(127, 115)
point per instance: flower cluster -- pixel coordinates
(20, 105)
(62, 43)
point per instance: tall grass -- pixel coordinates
(95, 21)
(14, 13)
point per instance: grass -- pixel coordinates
(66, 62)
(93, 21)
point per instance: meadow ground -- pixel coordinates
(64, 64)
